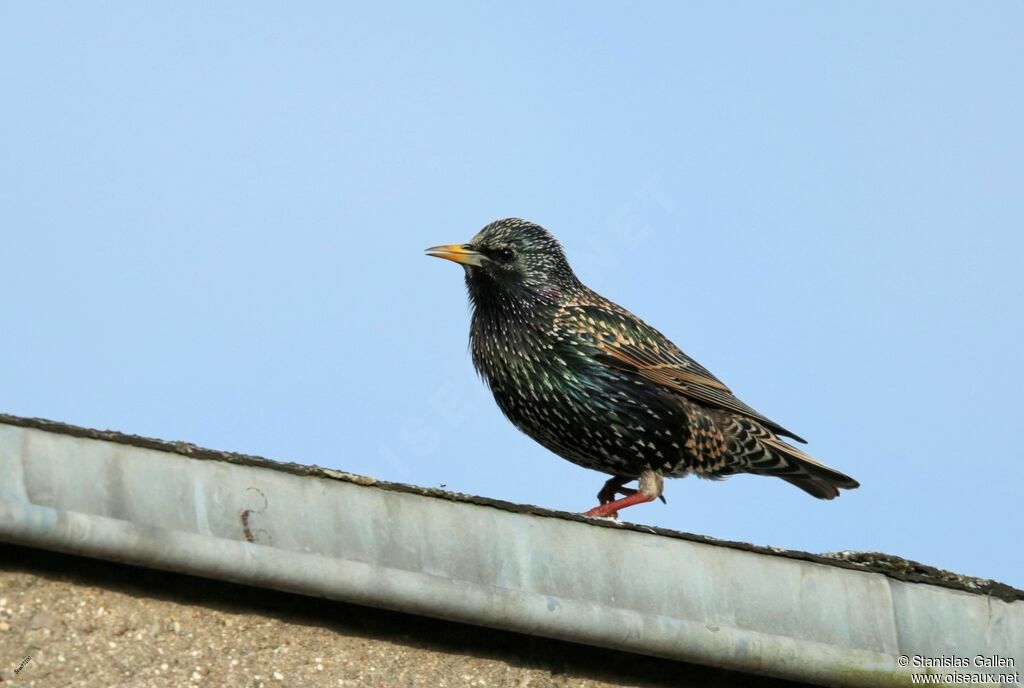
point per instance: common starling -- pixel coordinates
(596, 385)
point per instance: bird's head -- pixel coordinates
(512, 257)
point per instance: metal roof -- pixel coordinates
(832, 620)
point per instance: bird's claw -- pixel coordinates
(597, 513)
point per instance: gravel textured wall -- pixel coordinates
(80, 622)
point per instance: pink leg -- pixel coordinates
(612, 508)
(651, 486)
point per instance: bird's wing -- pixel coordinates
(627, 343)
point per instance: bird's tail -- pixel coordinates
(800, 469)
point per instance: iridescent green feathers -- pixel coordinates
(597, 385)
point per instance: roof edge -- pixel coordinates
(875, 562)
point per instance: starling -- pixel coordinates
(596, 385)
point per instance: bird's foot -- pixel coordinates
(611, 509)
(651, 486)
(609, 493)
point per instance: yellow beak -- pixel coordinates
(457, 253)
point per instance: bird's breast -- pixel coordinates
(531, 374)
(561, 395)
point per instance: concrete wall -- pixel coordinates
(94, 624)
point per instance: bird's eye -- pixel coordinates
(505, 255)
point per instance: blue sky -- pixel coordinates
(212, 223)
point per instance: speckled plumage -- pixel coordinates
(597, 386)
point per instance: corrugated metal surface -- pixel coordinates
(521, 570)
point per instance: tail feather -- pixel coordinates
(803, 470)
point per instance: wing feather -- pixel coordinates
(625, 342)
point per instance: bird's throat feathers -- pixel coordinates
(512, 301)
(508, 322)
